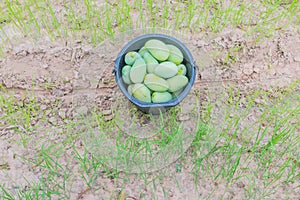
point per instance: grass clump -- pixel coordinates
(92, 22)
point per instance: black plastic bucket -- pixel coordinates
(135, 45)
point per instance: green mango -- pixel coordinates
(142, 51)
(160, 97)
(138, 71)
(155, 83)
(131, 57)
(129, 89)
(141, 92)
(150, 61)
(177, 82)
(126, 73)
(181, 69)
(175, 54)
(158, 49)
(166, 69)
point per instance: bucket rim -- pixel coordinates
(145, 105)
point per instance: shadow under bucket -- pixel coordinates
(135, 45)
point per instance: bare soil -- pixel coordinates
(69, 76)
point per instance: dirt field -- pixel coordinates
(67, 81)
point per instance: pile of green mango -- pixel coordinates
(155, 73)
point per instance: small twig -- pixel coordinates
(80, 195)
(22, 128)
(3, 129)
(131, 197)
(37, 164)
(4, 166)
(7, 128)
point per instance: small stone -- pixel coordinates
(68, 87)
(297, 58)
(201, 43)
(76, 74)
(43, 107)
(18, 97)
(183, 117)
(83, 110)
(87, 49)
(56, 50)
(41, 80)
(45, 66)
(58, 92)
(81, 84)
(62, 114)
(248, 68)
(48, 113)
(8, 83)
(240, 185)
(256, 69)
(47, 101)
(108, 118)
(52, 120)
(257, 101)
(21, 52)
(106, 112)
